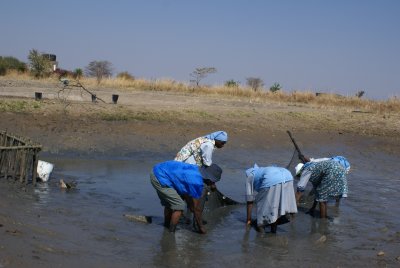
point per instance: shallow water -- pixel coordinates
(86, 226)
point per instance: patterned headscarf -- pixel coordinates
(218, 135)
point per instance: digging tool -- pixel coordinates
(301, 156)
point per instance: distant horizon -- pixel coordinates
(339, 47)
(243, 84)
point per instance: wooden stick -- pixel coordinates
(34, 168)
(6, 165)
(301, 156)
(20, 147)
(22, 167)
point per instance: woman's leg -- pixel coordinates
(337, 201)
(322, 209)
(274, 226)
(167, 216)
(176, 214)
(312, 209)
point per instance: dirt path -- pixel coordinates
(150, 120)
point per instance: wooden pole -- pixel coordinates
(6, 165)
(18, 158)
(34, 167)
(22, 167)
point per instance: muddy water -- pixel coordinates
(85, 227)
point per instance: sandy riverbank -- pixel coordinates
(151, 120)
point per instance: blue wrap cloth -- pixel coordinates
(218, 135)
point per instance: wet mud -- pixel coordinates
(47, 226)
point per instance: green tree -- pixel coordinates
(99, 69)
(231, 83)
(40, 66)
(200, 73)
(255, 83)
(275, 87)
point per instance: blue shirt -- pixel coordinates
(184, 178)
(265, 177)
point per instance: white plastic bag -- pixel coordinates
(44, 170)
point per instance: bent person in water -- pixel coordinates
(328, 178)
(271, 189)
(200, 150)
(176, 182)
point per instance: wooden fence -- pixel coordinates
(18, 158)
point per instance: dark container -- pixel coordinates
(94, 98)
(50, 57)
(115, 98)
(38, 96)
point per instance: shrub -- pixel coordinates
(78, 73)
(360, 93)
(231, 83)
(125, 76)
(11, 63)
(275, 87)
(3, 70)
(63, 73)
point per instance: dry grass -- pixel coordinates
(391, 105)
(18, 106)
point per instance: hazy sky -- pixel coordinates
(338, 46)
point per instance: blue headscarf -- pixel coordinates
(343, 161)
(218, 135)
(251, 171)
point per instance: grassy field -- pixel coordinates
(391, 105)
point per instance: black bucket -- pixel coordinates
(115, 98)
(94, 98)
(38, 96)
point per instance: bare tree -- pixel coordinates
(200, 73)
(40, 66)
(255, 83)
(99, 69)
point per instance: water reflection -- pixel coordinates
(42, 191)
(369, 217)
(182, 248)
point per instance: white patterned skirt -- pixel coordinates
(274, 202)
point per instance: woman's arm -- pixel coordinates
(207, 149)
(298, 196)
(249, 209)
(304, 178)
(249, 198)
